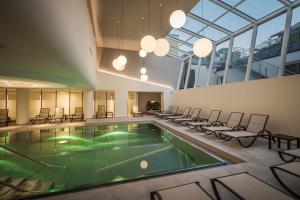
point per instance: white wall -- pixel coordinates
(121, 86)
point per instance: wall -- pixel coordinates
(277, 97)
(122, 85)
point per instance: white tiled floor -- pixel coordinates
(258, 160)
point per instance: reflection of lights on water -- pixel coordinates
(144, 164)
(134, 125)
(118, 178)
(63, 153)
(116, 126)
(116, 148)
(62, 141)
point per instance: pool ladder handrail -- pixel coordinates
(38, 162)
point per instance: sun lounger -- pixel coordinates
(4, 116)
(101, 113)
(232, 124)
(78, 115)
(255, 128)
(185, 113)
(246, 186)
(43, 116)
(291, 155)
(291, 168)
(191, 191)
(136, 112)
(165, 111)
(213, 118)
(193, 117)
(173, 112)
(58, 116)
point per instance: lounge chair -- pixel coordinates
(212, 119)
(291, 168)
(77, 115)
(43, 116)
(185, 114)
(255, 128)
(101, 112)
(165, 111)
(4, 116)
(233, 123)
(246, 186)
(172, 112)
(136, 112)
(292, 154)
(191, 191)
(193, 117)
(58, 116)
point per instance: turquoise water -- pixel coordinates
(99, 154)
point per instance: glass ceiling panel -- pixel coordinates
(185, 48)
(177, 53)
(179, 34)
(232, 2)
(210, 10)
(213, 34)
(232, 22)
(192, 40)
(193, 25)
(259, 8)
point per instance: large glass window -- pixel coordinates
(292, 65)
(268, 49)
(239, 57)
(232, 22)
(211, 11)
(49, 100)
(184, 73)
(11, 103)
(218, 68)
(2, 98)
(34, 102)
(63, 100)
(203, 71)
(76, 100)
(193, 70)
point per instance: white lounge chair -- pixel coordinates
(246, 186)
(213, 118)
(4, 116)
(233, 123)
(254, 129)
(173, 112)
(42, 116)
(191, 191)
(193, 117)
(292, 154)
(78, 115)
(165, 111)
(185, 113)
(58, 116)
(101, 113)
(136, 112)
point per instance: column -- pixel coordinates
(22, 107)
(88, 104)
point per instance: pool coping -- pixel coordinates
(198, 143)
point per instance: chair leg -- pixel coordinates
(281, 182)
(284, 159)
(247, 145)
(213, 184)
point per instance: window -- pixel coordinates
(232, 22)
(203, 71)
(292, 65)
(211, 11)
(267, 49)
(192, 72)
(219, 63)
(184, 73)
(106, 99)
(34, 102)
(76, 100)
(63, 100)
(49, 100)
(8, 101)
(239, 57)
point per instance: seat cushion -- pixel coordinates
(239, 134)
(187, 192)
(199, 123)
(293, 167)
(295, 152)
(218, 128)
(184, 119)
(251, 188)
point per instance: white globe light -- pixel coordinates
(177, 19)
(144, 164)
(142, 53)
(202, 47)
(121, 68)
(148, 43)
(117, 65)
(143, 70)
(144, 77)
(162, 47)
(122, 60)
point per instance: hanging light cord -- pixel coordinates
(202, 18)
(149, 16)
(122, 17)
(161, 15)
(177, 5)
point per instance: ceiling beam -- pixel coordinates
(285, 2)
(179, 41)
(197, 35)
(208, 23)
(234, 10)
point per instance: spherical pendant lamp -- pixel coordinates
(148, 43)
(117, 65)
(143, 70)
(177, 19)
(144, 77)
(162, 47)
(121, 68)
(202, 47)
(122, 60)
(142, 53)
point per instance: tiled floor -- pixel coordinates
(258, 160)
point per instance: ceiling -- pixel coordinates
(48, 41)
(134, 10)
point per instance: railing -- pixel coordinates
(66, 171)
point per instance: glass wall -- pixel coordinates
(193, 71)
(267, 51)
(63, 100)
(2, 98)
(34, 102)
(106, 99)
(239, 57)
(184, 73)
(49, 100)
(203, 71)
(218, 68)
(76, 100)
(292, 65)
(8, 101)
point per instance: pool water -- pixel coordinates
(99, 154)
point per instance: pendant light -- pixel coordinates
(148, 42)
(143, 70)
(203, 46)
(142, 53)
(144, 77)
(122, 60)
(177, 18)
(162, 45)
(116, 62)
